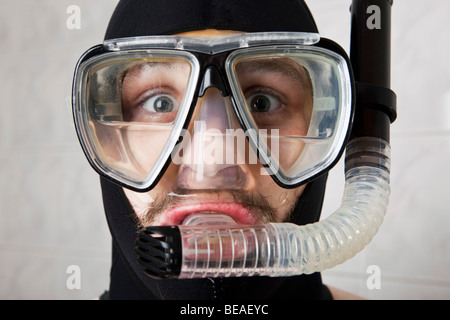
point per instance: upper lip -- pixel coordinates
(242, 215)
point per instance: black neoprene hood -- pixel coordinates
(133, 18)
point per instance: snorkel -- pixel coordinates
(210, 245)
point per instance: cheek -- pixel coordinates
(145, 147)
(288, 151)
(143, 203)
(286, 146)
(282, 200)
(140, 202)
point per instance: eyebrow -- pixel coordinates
(138, 67)
(282, 66)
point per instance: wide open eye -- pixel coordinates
(260, 102)
(161, 103)
(152, 91)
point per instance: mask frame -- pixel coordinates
(203, 53)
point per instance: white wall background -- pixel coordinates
(51, 214)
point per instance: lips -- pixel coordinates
(177, 214)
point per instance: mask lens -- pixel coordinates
(130, 106)
(298, 105)
(134, 110)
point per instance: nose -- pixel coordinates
(209, 155)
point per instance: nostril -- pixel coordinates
(230, 177)
(233, 175)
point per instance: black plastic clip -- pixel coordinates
(378, 97)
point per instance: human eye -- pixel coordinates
(157, 107)
(152, 92)
(160, 103)
(153, 106)
(263, 102)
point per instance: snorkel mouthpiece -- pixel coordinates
(225, 249)
(215, 251)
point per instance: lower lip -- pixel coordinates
(176, 215)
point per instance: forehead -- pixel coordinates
(209, 33)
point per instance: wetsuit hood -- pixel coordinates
(156, 17)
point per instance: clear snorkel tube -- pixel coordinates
(218, 247)
(210, 246)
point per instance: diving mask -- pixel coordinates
(290, 95)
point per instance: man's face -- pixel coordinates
(241, 189)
